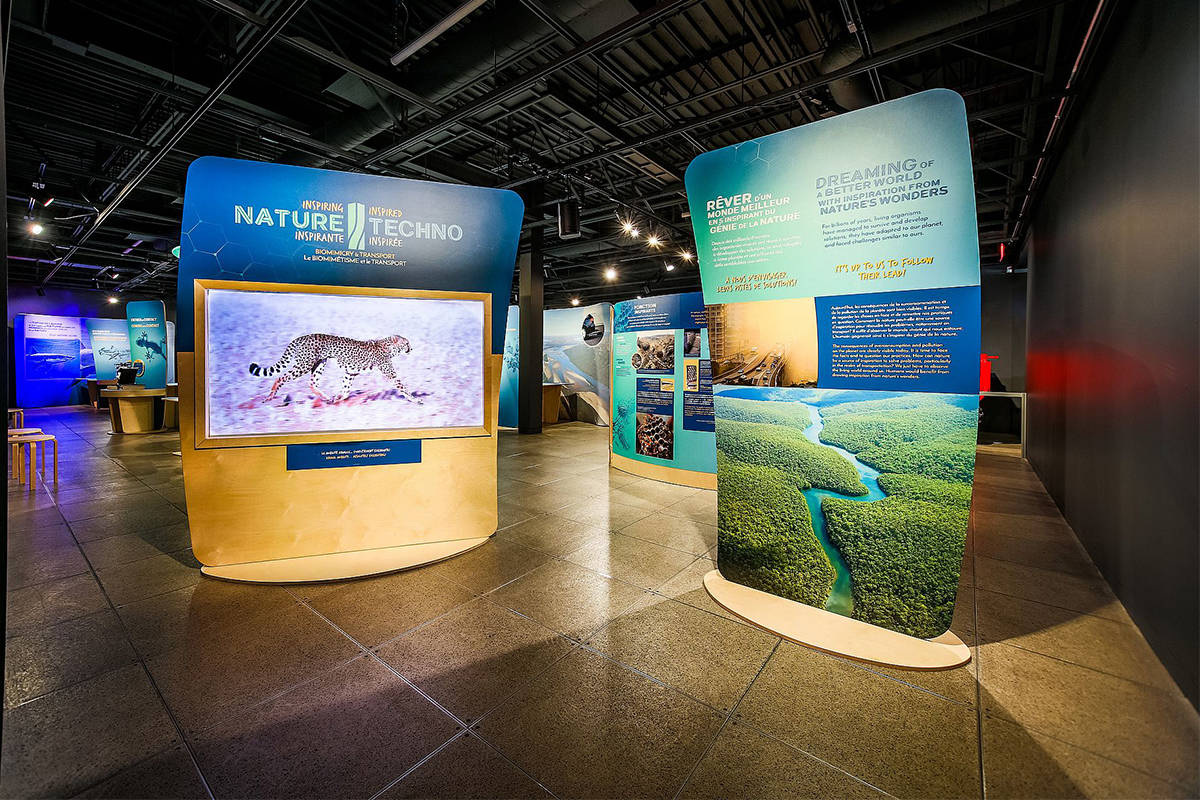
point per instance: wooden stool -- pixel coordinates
(19, 442)
(16, 473)
(16, 418)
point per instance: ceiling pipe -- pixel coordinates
(896, 26)
(182, 129)
(440, 27)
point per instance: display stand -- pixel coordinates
(134, 410)
(656, 472)
(833, 633)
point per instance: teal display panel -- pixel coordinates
(840, 264)
(509, 369)
(148, 341)
(110, 345)
(662, 383)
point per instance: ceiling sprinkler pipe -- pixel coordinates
(899, 25)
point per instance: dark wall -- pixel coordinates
(72, 303)
(1003, 327)
(1113, 331)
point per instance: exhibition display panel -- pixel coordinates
(840, 262)
(339, 366)
(663, 425)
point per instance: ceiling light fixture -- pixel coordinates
(670, 267)
(574, 301)
(112, 299)
(36, 228)
(610, 274)
(175, 251)
(653, 240)
(686, 255)
(627, 226)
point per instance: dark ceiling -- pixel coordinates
(605, 101)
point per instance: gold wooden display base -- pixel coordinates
(833, 633)
(660, 472)
(339, 566)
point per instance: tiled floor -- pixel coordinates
(575, 655)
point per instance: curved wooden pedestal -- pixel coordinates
(833, 633)
(658, 472)
(339, 566)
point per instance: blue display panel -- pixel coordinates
(52, 360)
(253, 221)
(509, 371)
(577, 353)
(662, 383)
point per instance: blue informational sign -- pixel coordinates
(110, 345)
(921, 341)
(662, 382)
(52, 359)
(840, 262)
(509, 370)
(148, 341)
(254, 221)
(353, 454)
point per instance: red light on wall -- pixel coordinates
(1002, 251)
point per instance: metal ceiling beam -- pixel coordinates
(922, 45)
(182, 128)
(609, 38)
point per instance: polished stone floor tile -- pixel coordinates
(677, 533)
(466, 769)
(603, 513)
(116, 550)
(134, 519)
(1102, 644)
(707, 656)
(590, 728)
(170, 775)
(490, 565)
(1059, 556)
(552, 534)
(212, 676)
(567, 598)
(37, 559)
(905, 741)
(62, 743)
(474, 657)
(1089, 595)
(52, 602)
(374, 610)
(698, 507)
(347, 733)
(209, 606)
(1145, 728)
(688, 587)
(108, 504)
(635, 561)
(745, 764)
(1019, 763)
(46, 659)
(146, 577)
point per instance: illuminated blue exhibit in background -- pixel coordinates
(148, 341)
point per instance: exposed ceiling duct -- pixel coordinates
(895, 26)
(461, 58)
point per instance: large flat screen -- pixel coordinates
(301, 362)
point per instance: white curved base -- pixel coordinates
(339, 566)
(833, 633)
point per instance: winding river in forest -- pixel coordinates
(841, 598)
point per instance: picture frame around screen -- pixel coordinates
(204, 439)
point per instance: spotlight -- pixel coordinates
(112, 299)
(36, 228)
(639, 297)
(610, 274)
(686, 255)
(574, 301)
(653, 241)
(670, 267)
(49, 200)
(116, 275)
(627, 227)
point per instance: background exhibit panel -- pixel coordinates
(577, 353)
(852, 501)
(440, 366)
